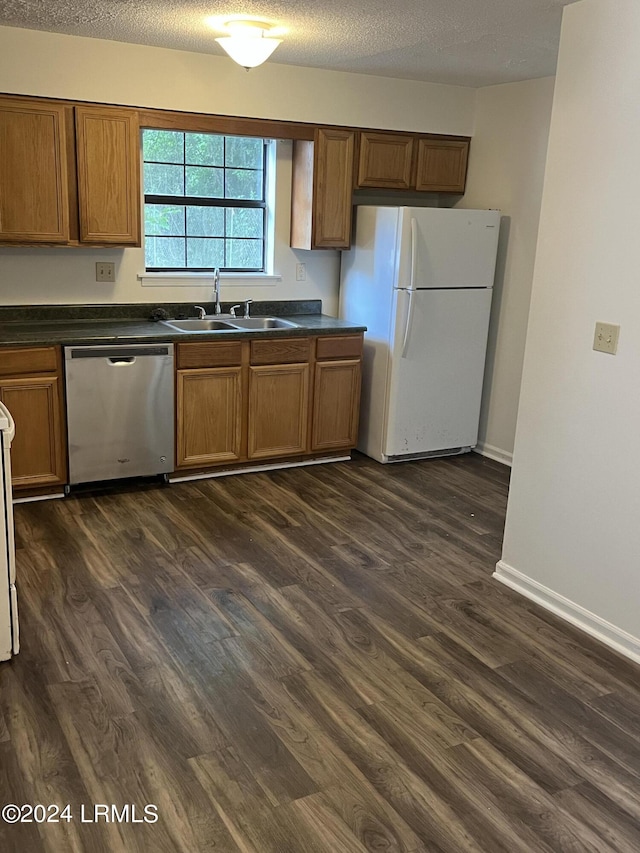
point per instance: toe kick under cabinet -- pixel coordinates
(253, 400)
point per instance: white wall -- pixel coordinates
(572, 522)
(54, 65)
(506, 171)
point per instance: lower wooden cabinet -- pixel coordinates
(209, 426)
(278, 410)
(336, 405)
(266, 398)
(38, 451)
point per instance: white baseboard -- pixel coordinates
(607, 633)
(494, 453)
(257, 469)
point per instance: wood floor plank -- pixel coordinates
(307, 660)
(426, 811)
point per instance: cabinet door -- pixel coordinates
(336, 405)
(442, 165)
(385, 161)
(333, 189)
(278, 410)
(34, 202)
(108, 152)
(209, 416)
(38, 451)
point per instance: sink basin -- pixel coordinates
(262, 323)
(196, 325)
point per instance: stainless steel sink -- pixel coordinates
(211, 324)
(263, 323)
(196, 325)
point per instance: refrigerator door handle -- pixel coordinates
(414, 245)
(407, 326)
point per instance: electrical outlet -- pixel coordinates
(301, 272)
(606, 338)
(105, 271)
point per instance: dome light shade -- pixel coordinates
(247, 43)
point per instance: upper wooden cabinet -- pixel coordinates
(385, 160)
(68, 182)
(34, 204)
(442, 165)
(411, 162)
(322, 190)
(108, 144)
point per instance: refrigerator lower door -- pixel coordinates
(437, 369)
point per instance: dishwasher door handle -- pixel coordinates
(122, 361)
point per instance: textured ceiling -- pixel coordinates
(465, 42)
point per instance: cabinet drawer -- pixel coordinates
(340, 346)
(209, 354)
(23, 361)
(280, 351)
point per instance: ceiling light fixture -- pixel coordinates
(248, 43)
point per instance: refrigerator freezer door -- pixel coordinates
(445, 248)
(435, 388)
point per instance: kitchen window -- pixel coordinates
(205, 202)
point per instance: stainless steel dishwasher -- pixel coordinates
(120, 411)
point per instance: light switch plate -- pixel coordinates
(606, 338)
(105, 271)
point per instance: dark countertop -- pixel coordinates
(76, 325)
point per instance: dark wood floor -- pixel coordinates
(309, 660)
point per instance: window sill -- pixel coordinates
(191, 279)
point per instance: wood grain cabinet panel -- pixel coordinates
(22, 361)
(34, 203)
(339, 346)
(336, 405)
(38, 451)
(280, 351)
(108, 175)
(278, 410)
(442, 165)
(385, 161)
(322, 190)
(209, 354)
(209, 416)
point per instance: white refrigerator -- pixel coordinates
(9, 641)
(421, 280)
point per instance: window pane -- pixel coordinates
(164, 252)
(163, 180)
(204, 149)
(165, 146)
(245, 222)
(205, 221)
(205, 253)
(242, 184)
(244, 254)
(205, 182)
(163, 219)
(243, 152)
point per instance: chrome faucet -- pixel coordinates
(247, 309)
(216, 291)
(202, 313)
